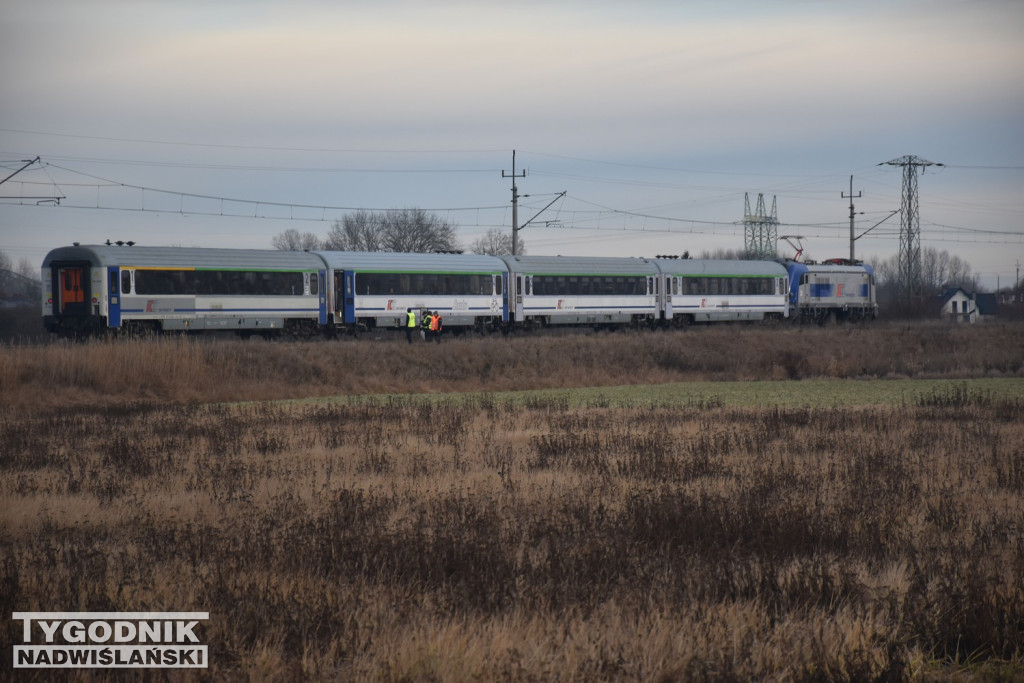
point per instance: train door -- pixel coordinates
(520, 290)
(344, 301)
(321, 292)
(350, 296)
(113, 297)
(73, 286)
(671, 287)
(504, 284)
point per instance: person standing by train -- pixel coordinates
(410, 324)
(426, 325)
(437, 326)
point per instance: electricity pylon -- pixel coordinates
(760, 230)
(909, 262)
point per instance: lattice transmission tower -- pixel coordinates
(760, 229)
(909, 261)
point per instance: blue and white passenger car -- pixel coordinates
(565, 290)
(96, 288)
(698, 290)
(374, 289)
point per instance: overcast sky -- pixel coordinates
(654, 117)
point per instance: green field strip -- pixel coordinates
(811, 392)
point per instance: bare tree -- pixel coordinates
(414, 230)
(724, 254)
(355, 232)
(396, 230)
(497, 243)
(293, 240)
(939, 270)
(26, 269)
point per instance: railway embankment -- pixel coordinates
(182, 369)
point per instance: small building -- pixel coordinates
(986, 304)
(959, 305)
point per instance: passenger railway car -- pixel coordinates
(564, 290)
(91, 289)
(99, 288)
(699, 290)
(375, 289)
(833, 291)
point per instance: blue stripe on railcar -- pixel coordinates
(530, 309)
(821, 290)
(698, 307)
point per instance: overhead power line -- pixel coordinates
(235, 200)
(598, 218)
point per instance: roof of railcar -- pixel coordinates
(800, 268)
(184, 257)
(391, 262)
(580, 265)
(713, 267)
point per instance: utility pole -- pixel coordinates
(851, 197)
(515, 201)
(910, 226)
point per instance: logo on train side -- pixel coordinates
(110, 640)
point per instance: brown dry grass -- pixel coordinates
(408, 540)
(199, 369)
(402, 539)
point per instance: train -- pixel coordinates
(91, 290)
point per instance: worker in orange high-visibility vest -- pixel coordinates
(435, 326)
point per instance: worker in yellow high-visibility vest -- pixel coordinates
(410, 324)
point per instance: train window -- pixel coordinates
(126, 281)
(587, 285)
(314, 283)
(436, 284)
(213, 282)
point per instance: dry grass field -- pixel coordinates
(496, 537)
(183, 370)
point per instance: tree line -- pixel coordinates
(394, 230)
